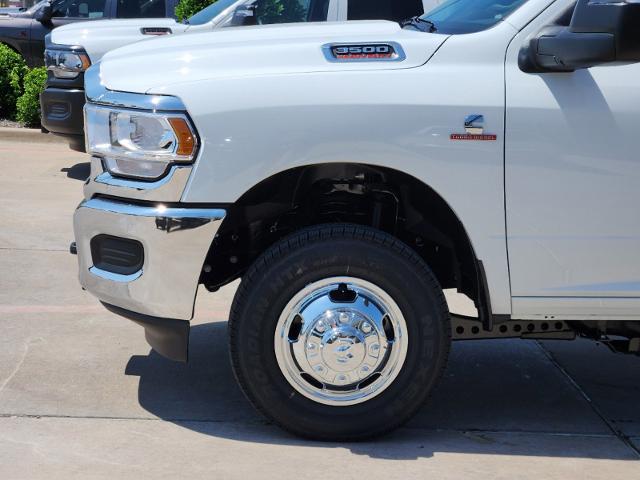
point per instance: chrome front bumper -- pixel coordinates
(175, 241)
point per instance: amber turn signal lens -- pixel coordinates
(86, 63)
(186, 141)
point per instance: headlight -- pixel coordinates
(66, 63)
(138, 144)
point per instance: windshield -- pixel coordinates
(469, 16)
(212, 11)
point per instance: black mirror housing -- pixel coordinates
(44, 14)
(622, 19)
(244, 16)
(601, 31)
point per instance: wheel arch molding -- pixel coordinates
(379, 197)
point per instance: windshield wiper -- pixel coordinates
(419, 23)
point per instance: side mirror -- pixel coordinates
(244, 15)
(601, 31)
(44, 14)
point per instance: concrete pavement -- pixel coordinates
(82, 395)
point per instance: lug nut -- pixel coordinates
(366, 327)
(344, 317)
(320, 327)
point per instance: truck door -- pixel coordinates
(572, 186)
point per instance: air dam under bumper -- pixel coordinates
(175, 242)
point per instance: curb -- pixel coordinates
(33, 135)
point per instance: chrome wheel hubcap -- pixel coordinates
(341, 341)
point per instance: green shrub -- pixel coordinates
(16, 79)
(12, 70)
(187, 8)
(28, 105)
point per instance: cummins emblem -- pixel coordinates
(360, 52)
(474, 124)
(474, 128)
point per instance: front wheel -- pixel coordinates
(339, 333)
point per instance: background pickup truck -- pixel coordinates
(25, 31)
(11, 10)
(71, 49)
(351, 173)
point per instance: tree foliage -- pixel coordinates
(187, 8)
(12, 71)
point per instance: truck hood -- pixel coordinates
(151, 67)
(100, 36)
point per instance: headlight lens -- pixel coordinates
(138, 144)
(66, 64)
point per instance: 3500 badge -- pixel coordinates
(364, 52)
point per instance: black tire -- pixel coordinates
(319, 253)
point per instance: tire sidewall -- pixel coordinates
(409, 283)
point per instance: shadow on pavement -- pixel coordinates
(498, 397)
(80, 171)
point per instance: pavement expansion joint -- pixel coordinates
(408, 428)
(620, 435)
(18, 249)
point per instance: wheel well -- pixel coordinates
(382, 198)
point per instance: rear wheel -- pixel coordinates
(339, 333)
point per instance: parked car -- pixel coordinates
(25, 31)
(351, 173)
(71, 49)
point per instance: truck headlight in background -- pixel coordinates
(66, 63)
(139, 144)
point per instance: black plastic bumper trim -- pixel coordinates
(123, 256)
(167, 336)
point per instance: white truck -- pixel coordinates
(72, 48)
(348, 173)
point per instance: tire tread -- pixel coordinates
(309, 236)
